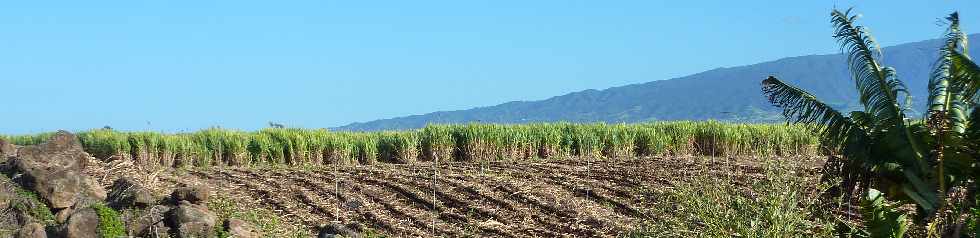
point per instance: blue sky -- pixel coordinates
(185, 65)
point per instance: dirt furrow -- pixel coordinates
(532, 198)
(456, 205)
(357, 191)
(420, 201)
(271, 195)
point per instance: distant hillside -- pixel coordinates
(731, 94)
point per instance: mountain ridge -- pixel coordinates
(724, 93)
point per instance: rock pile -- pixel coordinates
(49, 195)
(54, 171)
(191, 217)
(127, 192)
(337, 230)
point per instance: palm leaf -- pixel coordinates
(861, 119)
(802, 107)
(837, 132)
(946, 87)
(882, 218)
(877, 86)
(973, 129)
(966, 73)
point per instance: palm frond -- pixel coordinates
(861, 119)
(802, 107)
(946, 87)
(879, 87)
(967, 73)
(883, 218)
(973, 129)
(838, 133)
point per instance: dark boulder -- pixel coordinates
(335, 229)
(60, 188)
(194, 194)
(149, 222)
(62, 150)
(32, 230)
(192, 220)
(82, 224)
(128, 193)
(53, 169)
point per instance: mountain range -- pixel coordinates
(727, 94)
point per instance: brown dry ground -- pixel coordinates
(573, 197)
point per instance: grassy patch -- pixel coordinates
(29, 202)
(781, 204)
(109, 223)
(264, 220)
(219, 230)
(33, 205)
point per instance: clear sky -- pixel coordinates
(190, 64)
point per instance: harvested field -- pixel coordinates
(575, 197)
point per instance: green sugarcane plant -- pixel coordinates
(880, 149)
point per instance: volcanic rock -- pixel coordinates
(32, 230)
(53, 169)
(147, 223)
(192, 220)
(194, 194)
(241, 229)
(82, 224)
(127, 193)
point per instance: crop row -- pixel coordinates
(457, 142)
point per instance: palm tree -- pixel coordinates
(880, 149)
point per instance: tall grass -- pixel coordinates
(453, 142)
(779, 204)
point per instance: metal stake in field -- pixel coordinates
(484, 164)
(435, 213)
(588, 175)
(336, 185)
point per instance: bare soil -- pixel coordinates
(555, 198)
